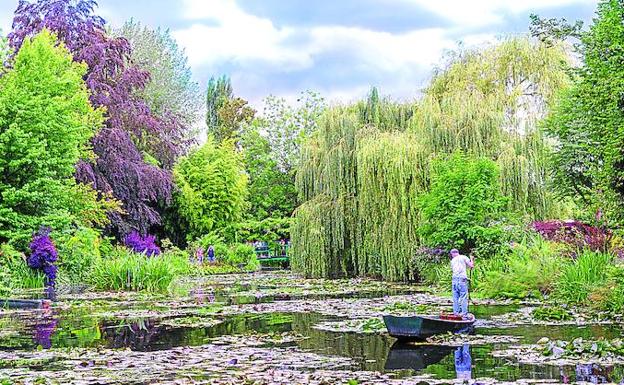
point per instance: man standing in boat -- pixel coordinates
(459, 265)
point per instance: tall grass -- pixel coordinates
(578, 279)
(15, 273)
(126, 270)
(610, 296)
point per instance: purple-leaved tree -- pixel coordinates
(135, 150)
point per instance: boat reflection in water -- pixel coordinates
(418, 357)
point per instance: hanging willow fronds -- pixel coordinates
(392, 174)
(363, 171)
(488, 103)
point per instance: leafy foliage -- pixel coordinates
(120, 167)
(212, 188)
(464, 206)
(46, 122)
(588, 119)
(576, 234)
(232, 115)
(170, 93)
(609, 296)
(287, 126)
(268, 230)
(219, 90)
(584, 275)
(79, 249)
(272, 192)
(551, 31)
(127, 270)
(14, 271)
(272, 148)
(528, 271)
(363, 170)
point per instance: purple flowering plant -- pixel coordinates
(43, 255)
(142, 244)
(576, 234)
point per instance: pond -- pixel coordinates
(271, 328)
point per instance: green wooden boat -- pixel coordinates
(420, 327)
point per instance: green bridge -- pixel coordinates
(278, 253)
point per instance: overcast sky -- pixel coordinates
(336, 47)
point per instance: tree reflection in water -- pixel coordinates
(138, 335)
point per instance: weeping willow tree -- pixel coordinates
(363, 171)
(489, 103)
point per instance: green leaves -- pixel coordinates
(212, 188)
(588, 121)
(464, 206)
(46, 122)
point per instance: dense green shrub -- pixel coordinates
(240, 254)
(78, 251)
(528, 271)
(46, 122)
(243, 255)
(587, 122)
(15, 273)
(578, 279)
(268, 230)
(464, 206)
(212, 187)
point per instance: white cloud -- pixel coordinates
(476, 13)
(222, 35)
(235, 36)
(232, 34)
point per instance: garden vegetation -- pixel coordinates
(513, 153)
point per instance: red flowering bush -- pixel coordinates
(577, 235)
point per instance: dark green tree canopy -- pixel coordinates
(464, 204)
(588, 120)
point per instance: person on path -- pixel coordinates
(211, 254)
(459, 265)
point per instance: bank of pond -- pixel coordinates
(275, 327)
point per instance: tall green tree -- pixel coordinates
(272, 192)
(171, 90)
(219, 91)
(362, 172)
(46, 122)
(588, 120)
(212, 188)
(287, 125)
(232, 115)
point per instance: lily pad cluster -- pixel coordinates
(585, 349)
